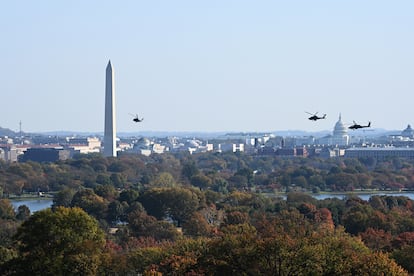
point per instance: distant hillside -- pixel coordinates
(7, 132)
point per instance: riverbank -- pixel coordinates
(363, 194)
(30, 196)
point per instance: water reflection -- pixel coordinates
(40, 204)
(33, 204)
(364, 196)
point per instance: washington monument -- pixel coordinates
(110, 121)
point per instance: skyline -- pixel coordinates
(221, 66)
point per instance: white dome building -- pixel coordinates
(143, 143)
(340, 134)
(408, 132)
(339, 137)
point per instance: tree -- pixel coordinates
(233, 253)
(108, 192)
(63, 198)
(143, 225)
(404, 257)
(201, 181)
(66, 241)
(377, 239)
(6, 209)
(115, 211)
(197, 225)
(379, 263)
(8, 228)
(23, 212)
(128, 196)
(164, 179)
(189, 169)
(118, 180)
(90, 202)
(177, 203)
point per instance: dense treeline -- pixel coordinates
(205, 214)
(222, 173)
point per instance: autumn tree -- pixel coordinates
(90, 202)
(189, 169)
(6, 209)
(144, 225)
(63, 198)
(200, 180)
(66, 241)
(176, 203)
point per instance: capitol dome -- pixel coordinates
(339, 136)
(340, 129)
(408, 132)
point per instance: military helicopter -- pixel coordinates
(136, 118)
(358, 126)
(315, 117)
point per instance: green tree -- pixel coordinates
(66, 241)
(164, 179)
(63, 198)
(118, 180)
(23, 212)
(108, 192)
(404, 257)
(201, 181)
(189, 169)
(128, 196)
(8, 229)
(176, 203)
(143, 225)
(90, 202)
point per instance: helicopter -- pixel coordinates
(315, 117)
(136, 118)
(358, 126)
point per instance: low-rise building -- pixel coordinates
(230, 147)
(379, 152)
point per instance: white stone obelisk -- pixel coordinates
(110, 125)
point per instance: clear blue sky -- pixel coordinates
(207, 65)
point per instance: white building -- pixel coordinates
(85, 145)
(230, 147)
(339, 136)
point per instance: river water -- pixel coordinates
(364, 196)
(33, 204)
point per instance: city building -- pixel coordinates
(233, 147)
(292, 152)
(339, 136)
(408, 132)
(331, 152)
(379, 152)
(44, 155)
(84, 144)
